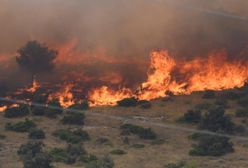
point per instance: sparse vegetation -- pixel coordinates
(118, 152)
(74, 118)
(143, 133)
(38, 111)
(36, 134)
(74, 136)
(243, 102)
(158, 142)
(22, 126)
(128, 102)
(106, 162)
(20, 111)
(210, 145)
(242, 113)
(138, 146)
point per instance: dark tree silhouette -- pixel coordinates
(36, 58)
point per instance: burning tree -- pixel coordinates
(36, 58)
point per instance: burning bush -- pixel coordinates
(143, 133)
(36, 134)
(74, 118)
(215, 120)
(74, 137)
(20, 111)
(22, 126)
(209, 145)
(192, 116)
(128, 102)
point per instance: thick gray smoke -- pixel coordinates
(128, 29)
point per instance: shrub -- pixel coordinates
(72, 136)
(209, 94)
(182, 165)
(143, 133)
(38, 111)
(74, 118)
(36, 134)
(22, 126)
(33, 156)
(69, 155)
(230, 95)
(40, 160)
(192, 116)
(222, 103)
(145, 104)
(106, 162)
(215, 120)
(2, 136)
(243, 102)
(242, 113)
(118, 152)
(209, 145)
(138, 146)
(158, 142)
(128, 102)
(81, 106)
(20, 111)
(203, 106)
(30, 149)
(54, 109)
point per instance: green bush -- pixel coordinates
(74, 118)
(54, 109)
(143, 133)
(33, 156)
(20, 111)
(22, 126)
(128, 102)
(106, 162)
(203, 106)
(36, 133)
(192, 116)
(138, 146)
(209, 145)
(75, 136)
(158, 142)
(215, 120)
(209, 94)
(69, 155)
(242, 113)
(118, 152)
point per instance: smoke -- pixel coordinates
(127, 30)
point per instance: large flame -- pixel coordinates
(64, 96)
(214, 72)
(105, 96)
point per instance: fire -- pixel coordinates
(3, 108)
(64, 96)
(105, 96)
(214, 72)
(34, 87)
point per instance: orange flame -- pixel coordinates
(105, 96)
(3, 108)
(64, 96)
(34, 87)
(215, 72)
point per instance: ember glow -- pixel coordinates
(3, 108)
(34, 87)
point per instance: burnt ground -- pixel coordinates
(163, 111)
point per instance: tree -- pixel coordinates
(36, 58)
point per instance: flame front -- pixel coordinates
(214, 72)
(105, 96)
